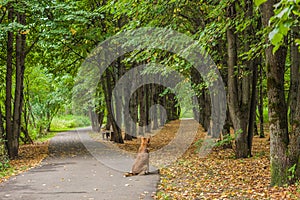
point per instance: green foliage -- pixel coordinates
(285, 19)
(164, 196)
(292, 172)
(198, 144)
(259, 2)
(47, 94)
(4, 161)
(5, 167)
(66, 122)
(227, 140)
(46, 137)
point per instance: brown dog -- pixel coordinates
(141, 163)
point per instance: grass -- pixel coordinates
(186, 113)
(46, 137)
(68, 122)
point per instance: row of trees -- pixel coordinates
(254, 44)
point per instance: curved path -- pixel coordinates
(78, 168)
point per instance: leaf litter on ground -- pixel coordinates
(30, 155)
(219, 175)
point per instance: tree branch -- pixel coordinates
(73, 51)
(4, 13)
(32, 45)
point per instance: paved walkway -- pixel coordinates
(80, 168)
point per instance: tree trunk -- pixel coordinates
(2, 131)
(294, 74)
(237, 101)
(282, 147)
(94, 120)
(252, 111)
(118, 72)
(294, 146)
(2, 138)
(163, 115)
(147, 107)
(154, 102)
(12, 145)
(107, 88)
(127, 125)
(24, 129)
(142, 111)
(261, 104)
(108, 123)
(134, 113)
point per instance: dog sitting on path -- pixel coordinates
(141, 163)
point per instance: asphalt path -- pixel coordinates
(79, 168)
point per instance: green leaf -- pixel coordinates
(276, 47)
(259, 2)
(296, 12)
(283, 12)
(297, 41)
(273, 33)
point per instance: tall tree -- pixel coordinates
(238, 100)
(12, 140)
(285, 145)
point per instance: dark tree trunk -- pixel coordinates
(294, 146)
(12, 144)
(154, 102)
(20, 69)
(118, 97)
(3, 152)
(142, 110)
(2, 131)
(94, 120)
(252, 111)
(107, 88)
(134, 113)
(24, 129)
(128, 134)
(26, 139)
(108, 123)
(172, 109)
(237, 100)
(163, 113)
(284, 147)
(100, 119)
(147, 108)
(252, 66)
(294, 74)
(203, 112)
(261, 104)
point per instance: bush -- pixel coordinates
(69, 122)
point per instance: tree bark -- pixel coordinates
(154, 102)
(294, 74)
(162, 101)
(107, 88)
(237, 102)
(294, 146)
(134, 113)
(142, 110)
(252, 110)
(94, 120)
(261, 104)
(2, 131)
(12, 146)
(284, 147)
